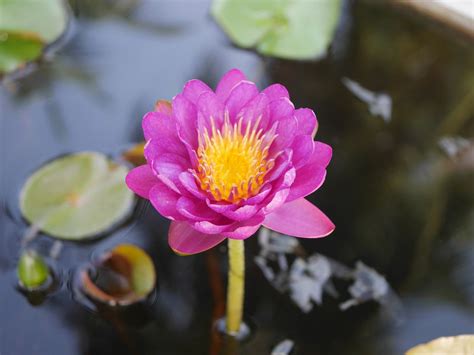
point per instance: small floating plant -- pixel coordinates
(222, 163)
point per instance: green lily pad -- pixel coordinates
(291, 29)
(32, 270)
(77, 196)
(26, 28)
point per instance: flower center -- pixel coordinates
(232, 163)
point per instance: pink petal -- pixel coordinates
(195, 210)
(189, 182)
(282, 188)
(155, 124)
(214, 227)
(240, 96)
(307, 122)
(299, 218)
(302, 150)
(285, 134)
(171, 166)
(311, 176)
(195, 88)
(183, 239)
(257, 108)
(227, 83)
(209, 106)
(242, 213)
(262, 194)
(186, 119)
(276, 91)
(281, 108)
(245, 229)
(140, 180)
(164, 200)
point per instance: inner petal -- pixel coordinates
(233, 161)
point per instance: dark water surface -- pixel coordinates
(400, 204)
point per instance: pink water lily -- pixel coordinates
(221, 164)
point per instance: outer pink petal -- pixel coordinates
(227, 83)
(276, 91)
(299, 218)
(311, 176)
(164, 200)
(307, 122)
(240, 96)
(140, 180)
(195, 88)
(183, 239)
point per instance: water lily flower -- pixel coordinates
(222, 163)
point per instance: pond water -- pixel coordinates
(401, 204)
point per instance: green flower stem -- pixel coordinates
(235, 287)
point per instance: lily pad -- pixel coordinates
(77, 196)
(291, 29)
(122, 276)
(26, 28)
(456, 345)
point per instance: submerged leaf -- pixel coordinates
(77, 196)
(456, 345)
(32, 270)
(296, 29)
(124, 275)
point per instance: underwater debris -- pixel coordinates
(283, 348)
(452, 146)
(285, 265)
(380, 104)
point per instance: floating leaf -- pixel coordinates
(77, 196)
(292, 29)
(122, 276)
(456, 345)
(47, 19)
(32, 270)
(26, 27)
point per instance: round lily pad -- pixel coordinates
(291, 29)
(77, 196)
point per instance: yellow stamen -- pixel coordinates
(232, 163)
